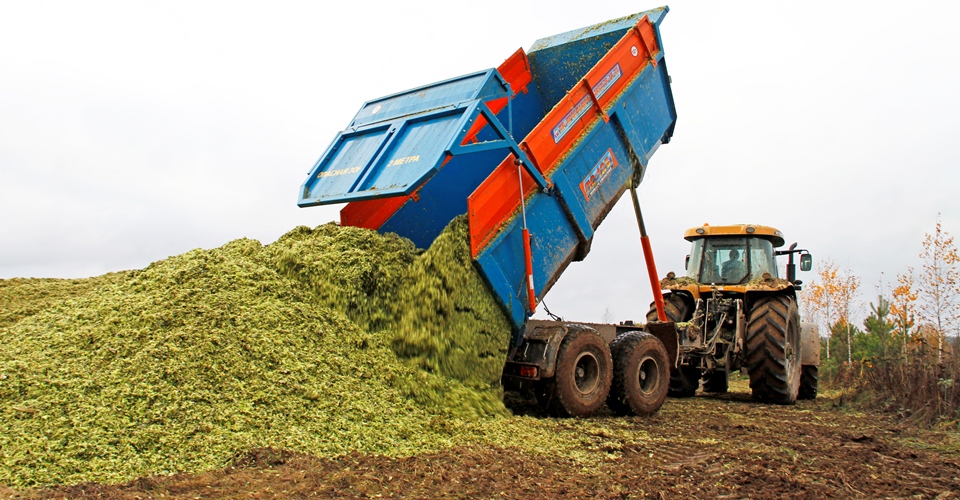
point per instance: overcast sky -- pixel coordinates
(132, 131)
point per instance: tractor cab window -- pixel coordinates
(724, 260)
(693, 263)
(730, 260)
(761, 258)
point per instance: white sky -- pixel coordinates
(130, 132)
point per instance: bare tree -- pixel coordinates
(903, 307)
(817, 306)
(845, 299)
(939, 284)
(607, 316)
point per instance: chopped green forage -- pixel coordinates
(330, 340)
(450, 323)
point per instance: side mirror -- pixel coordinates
(806, 262)
(686, 263)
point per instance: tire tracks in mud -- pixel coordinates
(717, 446)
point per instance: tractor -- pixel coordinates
(733, 312)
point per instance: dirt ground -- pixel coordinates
(709, 446)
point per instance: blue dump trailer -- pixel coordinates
(536, 151)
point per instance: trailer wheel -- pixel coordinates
(809, 379)
(641, 374)
(773, 349)
(715, 381)
(583, 374)
(684, 381)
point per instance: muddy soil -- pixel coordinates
(709, 446)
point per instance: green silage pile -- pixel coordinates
(22, 297)
(352, 270)
(294, 345)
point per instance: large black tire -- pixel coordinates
(809, 379)
(641, 374)
(773, 349)
(684, 382)
(677, 309)
(715, 381)
(582, 379)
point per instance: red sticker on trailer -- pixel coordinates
(599, 173)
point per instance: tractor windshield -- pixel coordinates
(730, 260)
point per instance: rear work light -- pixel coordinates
(528, 371)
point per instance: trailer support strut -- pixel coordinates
(648, 257)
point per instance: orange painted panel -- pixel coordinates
(371, 214)
(497, 199)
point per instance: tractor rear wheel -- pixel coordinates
(809, 379)
(641, 374)
(582, 379)
(773, 349)
(715, 381)
(676, 308)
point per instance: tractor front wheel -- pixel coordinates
(715, 381)
(684, 381)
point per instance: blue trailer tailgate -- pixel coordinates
(396, 143)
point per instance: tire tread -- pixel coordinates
(627, 349)
(555, 397)
(766, 349)
(809, 380)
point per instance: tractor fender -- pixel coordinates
(539, 346)
(809, 344)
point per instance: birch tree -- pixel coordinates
(832, 300)
(939, 284)
(903, 307)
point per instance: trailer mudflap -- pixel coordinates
(541, 341)
(669, 336)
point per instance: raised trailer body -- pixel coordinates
(536, 152)
(583, 111)
(589, 147)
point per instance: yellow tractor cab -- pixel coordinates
(739, 254)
